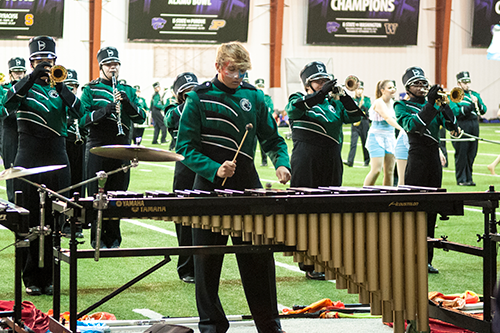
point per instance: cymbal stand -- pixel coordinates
(100, 203)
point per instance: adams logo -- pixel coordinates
(245, 104)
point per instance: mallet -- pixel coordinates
(248, 127)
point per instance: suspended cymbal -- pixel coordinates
(16, 172)
(141, 153)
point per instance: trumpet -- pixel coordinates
(57, 74)
(2, 78)
(456, 95)
(118, 106)
(351, 83)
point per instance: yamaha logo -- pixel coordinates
(41, 45)
(53, 94)
(245, 105)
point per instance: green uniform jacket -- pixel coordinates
(42, 111)
(323, 119)
(367, 103)
(156, 102)
(409, 116)
(99, 93)
(172, 117)
(3, 95)
(466, 109)
(216, 119)
(142, 103)
(269, 103)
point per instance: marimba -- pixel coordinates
(372, 241)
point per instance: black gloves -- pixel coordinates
(449, 116)
(59, 87)
(351, 106)
(110, 108)
(433, 94)
(124, 97)
(40, 71)
(327, 87)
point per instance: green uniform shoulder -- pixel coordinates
(94, 82)
(205, 86)
(245, 85)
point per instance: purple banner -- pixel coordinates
(31, 18)
(363, 22)
(486, 15)
(188, 21)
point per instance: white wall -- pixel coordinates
(370, 64)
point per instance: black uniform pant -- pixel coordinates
(184, 179)
(424, 168)
(36, 152)
(136, 135)
(9, 151)
(465, 152)
(360, 131)
(75, 155)
(258, 277)
(314, 166)
(158, 126)
(110, 232)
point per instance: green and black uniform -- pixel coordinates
(41, 113)
(467, 115)
(138, 129)
(183, 179)
(157, 108)
(422, 120)
(360, 130)
(316, 123)
(211, 128)
(9, 142)
(100, 119)
(270, 108)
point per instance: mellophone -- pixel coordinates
(372, 241)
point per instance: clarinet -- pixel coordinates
(118, 111)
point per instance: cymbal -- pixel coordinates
(141, 153)
(16, 172)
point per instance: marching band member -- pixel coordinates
(17, 70)
(109, 112)
(467, 112)
(183, 176)
(75, 149)
(157, 108)
(259, 84)
(360, 129)
(421, 118)
(138, 130)
(317, 121)
(216, 117)
(41, 110)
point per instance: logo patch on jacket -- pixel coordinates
(53, 94)
(245, 104)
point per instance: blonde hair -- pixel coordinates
(381, 85)
(235, 53)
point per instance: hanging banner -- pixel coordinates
(188, 21)
(31, 18)
(363, 22)
(486, 15)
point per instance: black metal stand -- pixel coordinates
(489, 254)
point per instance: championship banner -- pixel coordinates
(486, 15)
(362, 22)
(31, 18)
(188, 21)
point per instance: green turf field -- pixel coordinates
(164, 293)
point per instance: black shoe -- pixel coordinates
(49, 290)
(33, 291)
(348, 164)
(366, 164)
(315, 275)
(154, 143)
(472, 184)
(263, 164)
(431, 269)
(188, 279)
(466, 184)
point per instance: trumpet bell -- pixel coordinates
(351, 83)
(456, 94)
(58, 73)
(2, 78)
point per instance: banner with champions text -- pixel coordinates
(486, 15)
(188, 21)
(363, 22)
(31, 18)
